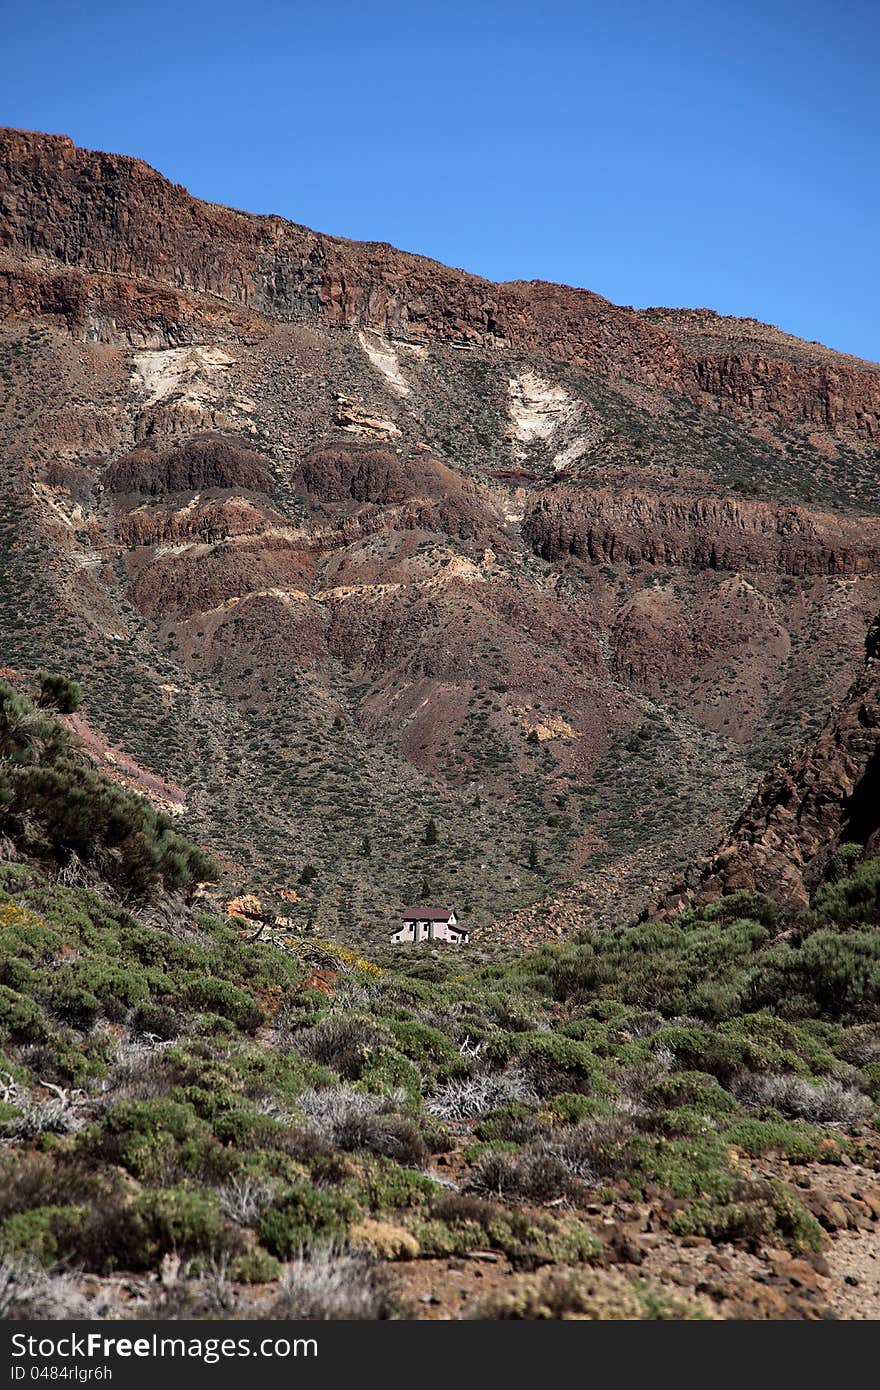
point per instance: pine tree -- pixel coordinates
(533, 855)
(58, 693)
(366, 847)
(431, 832)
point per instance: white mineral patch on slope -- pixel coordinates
(457, 569)
(417, 350)
(570, 454)
(538, 408)
(191, 372)
(384, 358)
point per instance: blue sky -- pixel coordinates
(674, 153)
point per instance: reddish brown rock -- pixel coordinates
(827, 792)
(108, 215)
(708, 533)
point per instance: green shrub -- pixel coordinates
(552, 1062)
(829, 975)
(157, 1141)
(226, 1000)
(799, 1143)
(255, 1266)
(685, 1166)
(854, 897)
(178, 1221)
(118, 989)
(74, 1005)
(382, 1185)
(302, 1215)
(43, 1233)
(21, 1020)
(695, 1089)
(388, 1072)
(755, 1214)
(570, 1108)
(57, 692)
(48, 788)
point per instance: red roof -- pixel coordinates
(426, 914)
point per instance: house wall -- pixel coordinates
(430, 931)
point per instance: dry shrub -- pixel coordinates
(465, 1098)
(532, 1175)
(591, 1295)
(590, 1151)
(360, 1123)
(28, 1292)
(861, 1045)
(384, 1240)
(341, 1042)
(333, 1285)
(39, 1180)
(827, 1102)
(243, 1200)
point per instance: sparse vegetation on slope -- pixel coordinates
(173, 1091)
(53, 802)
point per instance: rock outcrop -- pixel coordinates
(825, 794)
(624, 527)
(89, 236)
(199, 464)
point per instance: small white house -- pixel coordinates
(430, 924)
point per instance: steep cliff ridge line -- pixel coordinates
(109, 213)
(704, 332)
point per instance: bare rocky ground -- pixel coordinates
(854, 1261)
(718, 1281)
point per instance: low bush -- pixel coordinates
(303, 1216)
(135, 1233)
(226, 1000)
(157, 1141)
(45, 1234)
(530, 1175)
(256, 1266)
(333, 1284)
(590, 1295)
(754, 1212)
(345, 1042)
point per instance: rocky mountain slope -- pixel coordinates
(825, 795)
(669, 1120)
(340, 540)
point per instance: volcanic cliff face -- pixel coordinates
(700, 533)
(104, 213)
(340, 540)
(825, 794)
